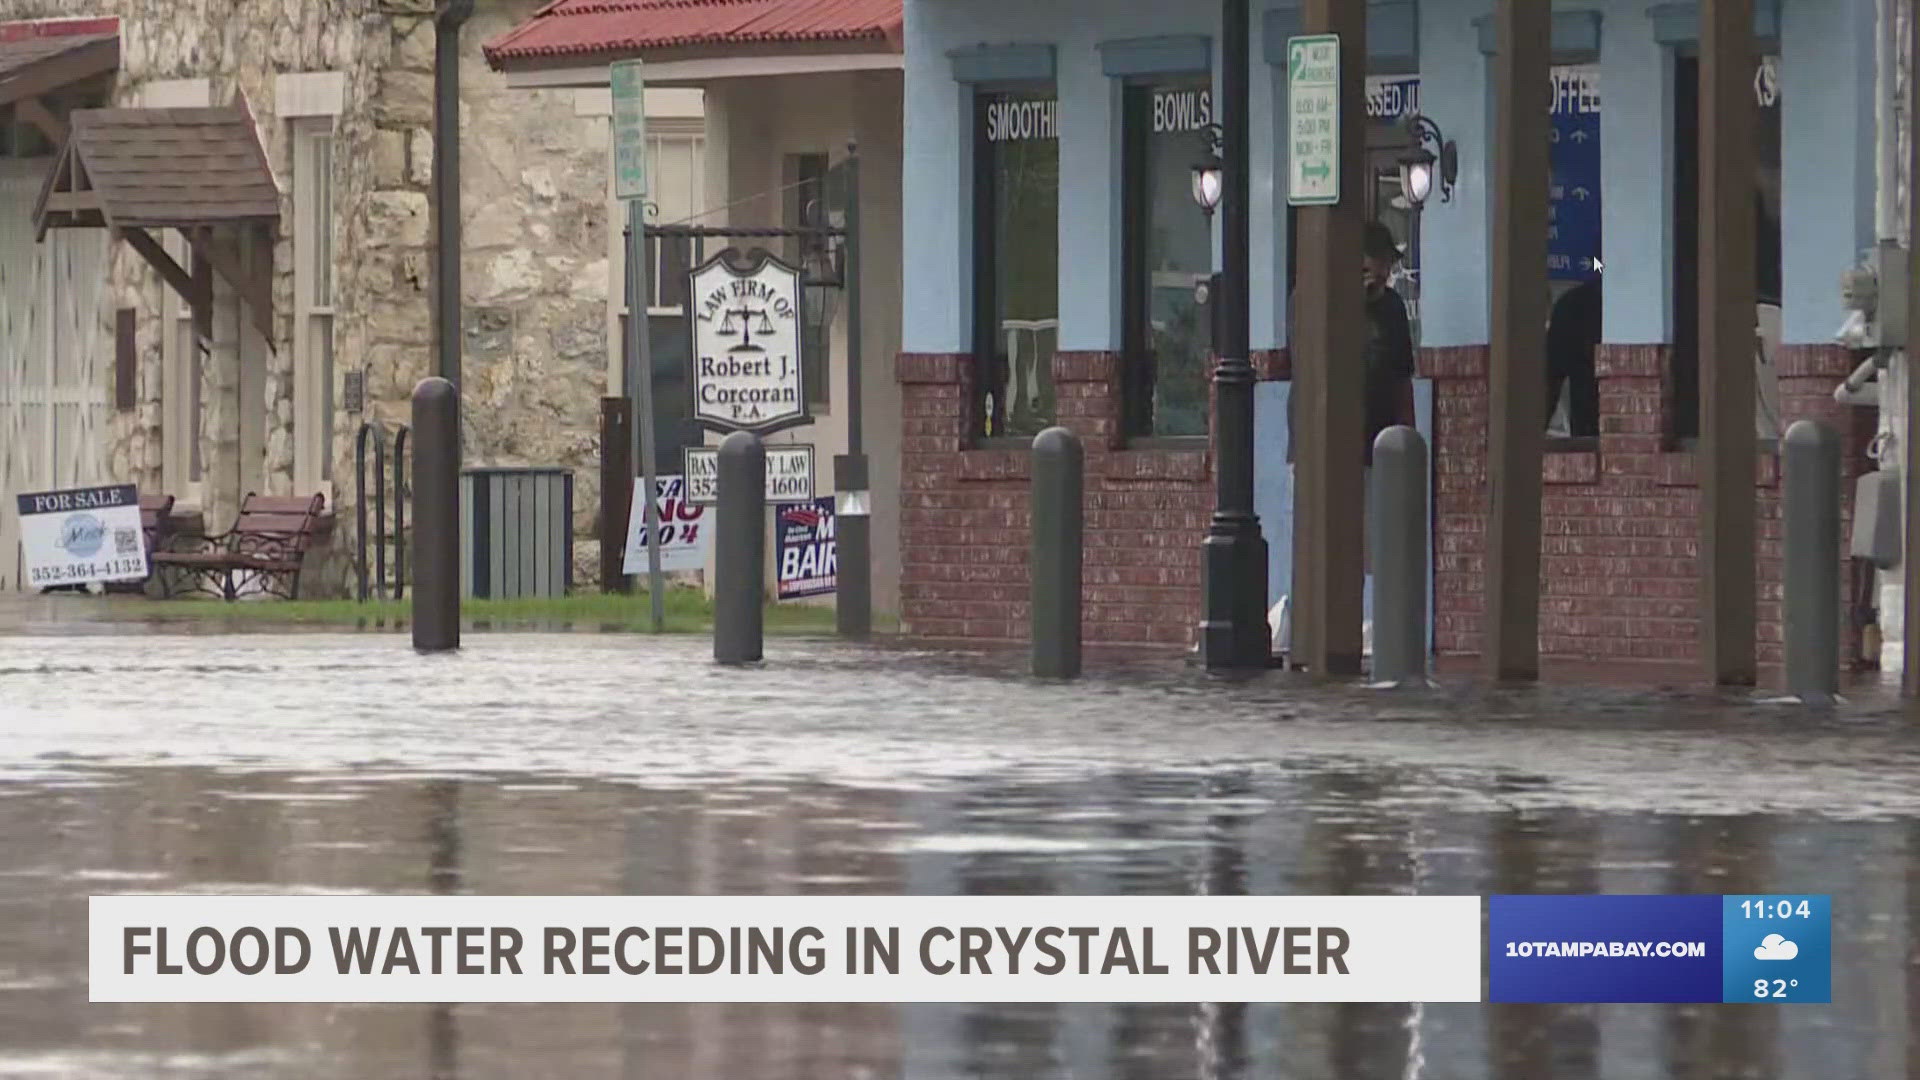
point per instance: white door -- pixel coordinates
(54, 412)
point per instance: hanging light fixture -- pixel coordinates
(822, 267)
(1419, 165)
(1209, 176)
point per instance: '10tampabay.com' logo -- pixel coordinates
(1659, 948)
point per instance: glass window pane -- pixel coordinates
(322, 179)
(1022, 328)
(1176, 249)
(321, 342)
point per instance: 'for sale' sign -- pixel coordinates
(81, 536)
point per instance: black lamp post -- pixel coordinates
(1233, 630)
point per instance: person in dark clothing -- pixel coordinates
(1573, 331)
(1388, 352)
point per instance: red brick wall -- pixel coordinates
(1620, 533)
(964, 517)
(1620, 526)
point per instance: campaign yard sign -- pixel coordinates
(82, 535)
(807, 559)
(684, 528)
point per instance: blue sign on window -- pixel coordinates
(1573, 226)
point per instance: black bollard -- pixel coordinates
(436, 516)
(1058, 508)
(1397, 522)
(1811, 476)
(739, 569)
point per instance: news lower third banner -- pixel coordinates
(882, 949)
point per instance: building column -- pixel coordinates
(218, 332)
(1515, 376)
(1727, 441)
(1330, 415)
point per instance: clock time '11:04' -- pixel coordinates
(1783, 909)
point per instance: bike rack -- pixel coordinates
(375, 433)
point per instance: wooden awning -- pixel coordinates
(44, 58)
(201, 171)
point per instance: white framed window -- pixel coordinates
(312, 139)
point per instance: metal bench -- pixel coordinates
(263, 552)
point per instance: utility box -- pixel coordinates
(516, 532)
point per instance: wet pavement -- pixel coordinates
(584, 764)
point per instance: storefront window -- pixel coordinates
(1167, 252)
(1685, 420)
(1016, 259)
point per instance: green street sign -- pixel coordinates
(629, 130)
(1313, 120)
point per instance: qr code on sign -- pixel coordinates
(126, 541)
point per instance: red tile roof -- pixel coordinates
(609, 28)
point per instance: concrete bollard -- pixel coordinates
(1058, 509)
(1397, 521)
(739, 587)
(436, 516)
(1811, 515)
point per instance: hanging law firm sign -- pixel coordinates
(746, 344)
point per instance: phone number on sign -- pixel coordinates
(109, 568)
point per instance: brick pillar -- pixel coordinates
(1634, 409)
(1086, 390)
(936, 391)
(1460, 410)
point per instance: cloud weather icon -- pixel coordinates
(1775, 947)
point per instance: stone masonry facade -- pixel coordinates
(533, 208)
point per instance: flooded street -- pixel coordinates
(591, 764)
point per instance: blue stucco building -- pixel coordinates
(1053, 255)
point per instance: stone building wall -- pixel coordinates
(535, 272)
(239, 46)
(535, 265)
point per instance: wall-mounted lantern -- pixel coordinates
(1209, 175)
(1419, 164)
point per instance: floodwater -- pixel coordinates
(589, 764)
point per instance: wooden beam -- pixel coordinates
(35, 112)
(57, 177)
(1329, 441)
(63, 69)
(201, 298)
(1516, 365)
(254, 290)
(1728, 448)
(156, 255)
(73, 202)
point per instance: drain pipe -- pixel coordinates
(447, 21)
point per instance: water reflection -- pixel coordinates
(1226, 831)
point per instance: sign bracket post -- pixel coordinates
(630, 186)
